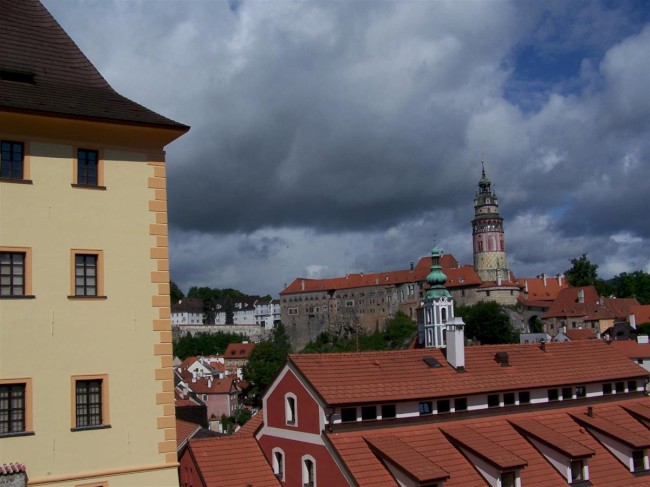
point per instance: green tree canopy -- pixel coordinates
(175, 293)
(633, 285)
(267, 359)
(487, 322)
(584, 273)
(205, 343)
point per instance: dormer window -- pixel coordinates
(578, 471)
(508, 479)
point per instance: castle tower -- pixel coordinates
(438, 306)
(487, 234)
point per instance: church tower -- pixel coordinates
(438, 306)
(487, 234)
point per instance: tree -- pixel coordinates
(205, 343)
(584, 273)
(175, 293)
(399, 330)
(634, 285)
(229, 308)
(487, 322)
(267, 359)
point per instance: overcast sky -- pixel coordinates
(346, 136)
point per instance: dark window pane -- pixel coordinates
(425, 407)
(567, 393)
(388, 411)
(509, 398)
(444, 406)
(553, 395)
(607, 388)
(12, 274)
(88, 403)
(460, 404)
(11, 163)
(12, 409)
(87, 167)
(348, 414)
(493, 400)
(369, 412)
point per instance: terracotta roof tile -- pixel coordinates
(238, 350)
(493, 436)
(632, 349)
(233, 461)
(203, 385)
(567, 305)
(483, 446)
(620, 307)
(552, 437)
(185, 430)
(580, 334)
(641, 313)
(407, 459)
(537, 291)
(403, 375)
(617, 423)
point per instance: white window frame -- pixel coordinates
(305, 472)
(278, 468)
(290, 414)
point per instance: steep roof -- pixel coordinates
(620, 307)
(502, 440)
(232, 461)
(204, 385)
(184, 431)
(567, 305)
(403, 375)
(238, 350)
(641, 313)
(43, 71)
(542, 289)
(580, 334)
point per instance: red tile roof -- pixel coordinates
(407, 459)
(43, 71)
(456, 277)
(204, 385)
(620, 307)
(402, 375)
(641, 313)
(567, 305)
(251, 425)
(497, 437)
(238, 350)
(537, 291)
(580, 334)
(185, 430)
(12, 468)
(554, 438)
(232, 461)
(632, 349)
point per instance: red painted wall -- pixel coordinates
(187, 471)
(328, 473)
(307, 407)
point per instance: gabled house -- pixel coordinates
(219, 395)
(578, 307)
(313, 418)
(236, 357)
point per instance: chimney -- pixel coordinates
(456, 343)
(633, 321)
(526, 286)
(544, 278)
(581, 296)
(542, 345)
(590, 411)
(411, 266)
(302, 285)
(560, 276)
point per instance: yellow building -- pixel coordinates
(86, 382)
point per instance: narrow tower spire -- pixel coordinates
(487, 233)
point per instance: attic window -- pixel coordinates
(18, 77)
(432, 362)
(502, 359)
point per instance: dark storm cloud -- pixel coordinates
(335, 137)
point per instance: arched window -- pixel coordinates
(291, 409)
(443, 314)
(278, 463)
(308, 471)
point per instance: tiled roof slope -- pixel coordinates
(203, 385)
(620, 307)
(42, 70)
(537, 291)
(234, 461)
(457, 276)
(402, 375)
(632, 349)
(641, 313)
(238, 350)
(433, 441)
(184, 430)
(188, 305)
(567, 305)
(580, 334)
(251, 425)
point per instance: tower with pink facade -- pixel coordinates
(487, 235)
